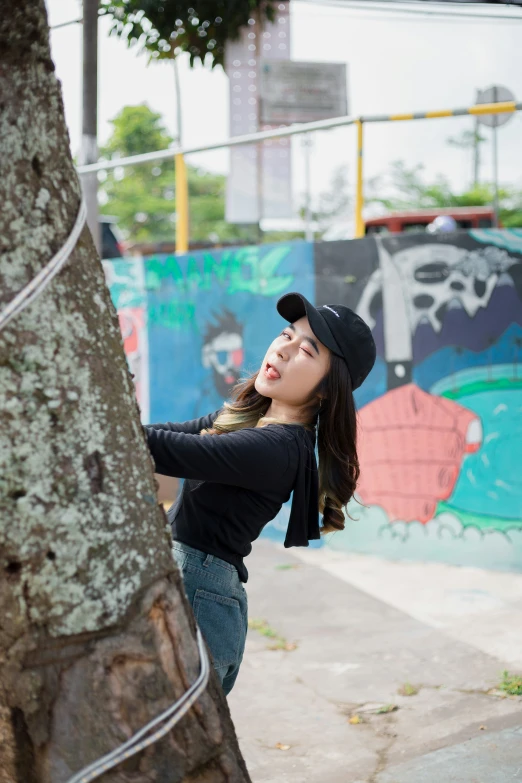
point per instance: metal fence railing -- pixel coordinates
(179, 153)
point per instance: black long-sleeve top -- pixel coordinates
(236, 483)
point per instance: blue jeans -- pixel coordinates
(219, 602)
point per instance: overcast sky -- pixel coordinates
(396, 64)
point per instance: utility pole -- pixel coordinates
(476, 147)
(89, 150)
(258, 17)
(307, 148)
(177, 86)
(496, 206)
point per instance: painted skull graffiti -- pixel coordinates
(223, 352)
(437, 277)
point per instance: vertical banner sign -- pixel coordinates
(257, 188)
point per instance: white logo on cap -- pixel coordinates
(327, 307)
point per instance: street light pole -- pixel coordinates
(495, 165)
(89, 148)
(307, 144)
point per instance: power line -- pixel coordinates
(358, 12)
(66, 24)
(415, 10)
(398, 7)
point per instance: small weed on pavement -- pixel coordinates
(279, 642)
(511, 684)
(408, 689)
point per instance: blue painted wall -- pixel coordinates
(441, 413)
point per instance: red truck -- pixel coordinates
(417, 220)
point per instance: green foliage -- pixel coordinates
(136, 129)
(166, 28)
(331, 204)
(468, 139)
(405, 188)
(511, 684)
(142, 196)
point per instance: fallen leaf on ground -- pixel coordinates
(280, 746)
(355, 719)
(408, 689)
(281, 644)
(482, 728)
(387, 708)
(378, 709)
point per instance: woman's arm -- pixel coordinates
(248, 458)
(192, 427)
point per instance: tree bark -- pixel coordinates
(96, 635)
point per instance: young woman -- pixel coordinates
(243, 462)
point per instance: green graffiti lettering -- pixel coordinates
(212, 268)
(194, 276)
(243, 270)
(257, 274)
(157, 271)
(269, 283)
(173, 315)
(246, 269)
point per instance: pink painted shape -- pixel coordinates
(411, 446)
(132, 324)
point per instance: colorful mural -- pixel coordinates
(440, 414)
(209, 316)
(126, 284)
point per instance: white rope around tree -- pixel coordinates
(35, 287)
(171, 715)
(174, 713)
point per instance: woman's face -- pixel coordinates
(293, 366)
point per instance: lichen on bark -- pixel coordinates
(96, 636)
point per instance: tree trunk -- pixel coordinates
(96, 635)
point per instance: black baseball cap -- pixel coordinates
(338, 328)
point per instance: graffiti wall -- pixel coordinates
(193, 325)
(441, 413)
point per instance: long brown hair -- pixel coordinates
(336, 445)
(332, 409)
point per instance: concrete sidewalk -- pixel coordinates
(363, 629)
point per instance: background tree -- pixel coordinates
(470, 140)
(142, 197)
(405, 188)
(168, 28)
(332, 204)
(96, 636)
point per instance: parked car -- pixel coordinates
(111, 238)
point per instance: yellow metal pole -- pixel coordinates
(182, 205)
(359, 195)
